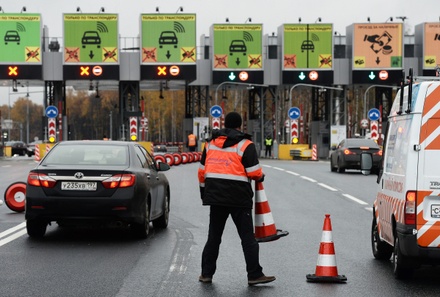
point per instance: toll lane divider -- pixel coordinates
(175, 159)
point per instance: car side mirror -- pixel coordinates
(366, 163)
(161, 166)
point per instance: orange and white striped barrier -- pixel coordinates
(37, 152)
(265, 229)
(314, 152)
(47, 148)
(326, 269)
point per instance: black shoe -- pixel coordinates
(261, 280)
(205, 279)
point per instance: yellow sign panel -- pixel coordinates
(378, 46)
(431, 54)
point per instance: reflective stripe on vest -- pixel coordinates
(225, 163)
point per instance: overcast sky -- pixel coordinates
(272, 14)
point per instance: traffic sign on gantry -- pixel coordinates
(168, 46)
(307, 53)
(91, 46)
(237, 49)
(377, 52)
(91, 38)
(431, 48)
(20, 49)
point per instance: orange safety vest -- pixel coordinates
(191, 140)
(225, 163)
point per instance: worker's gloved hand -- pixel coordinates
(261, 179)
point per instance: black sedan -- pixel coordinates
(17, 147)
(111, 183)
(347, 155)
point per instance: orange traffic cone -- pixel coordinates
(326, 269)
(265, 229)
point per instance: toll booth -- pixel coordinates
(321, 137)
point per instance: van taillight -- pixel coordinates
(119, 181)
(40, 180)
(410, 208)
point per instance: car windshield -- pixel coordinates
(90, 34)
(87, 155)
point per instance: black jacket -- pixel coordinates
(230, 192)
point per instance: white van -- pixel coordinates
(406, 212)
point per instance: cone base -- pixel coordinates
(313, 278)
(278, 235)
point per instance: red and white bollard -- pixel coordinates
(314, 152)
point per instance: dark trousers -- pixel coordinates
(268, 151)
(242, 218)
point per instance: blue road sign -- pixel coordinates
(294, 113)
(374, 114)
(51, 111)
(216, 111)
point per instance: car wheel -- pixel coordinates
(162, 221)
(401, 267)
(141, 230)
(381, 249)
(332, 166)
(340, 168)
(36, 228)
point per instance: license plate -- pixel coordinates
(78, 186)
(435, 211)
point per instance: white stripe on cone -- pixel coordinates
(326, 236)
(265, 219)
(326, 260)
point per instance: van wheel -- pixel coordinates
(381, 249)
(402, 269)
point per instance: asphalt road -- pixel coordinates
(96, 262)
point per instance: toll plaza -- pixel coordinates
(321, 73)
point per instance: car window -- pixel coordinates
(87, 155)
(141, 156)
(146, 159)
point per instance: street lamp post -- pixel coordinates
(27, 110)
(307, 85)
(366, 92)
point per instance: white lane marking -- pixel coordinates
(327, 187)
(22, 231)
(278, 168)
(13, 229)
(293, 173)
(370, 209)
(355, 199)
(6, 166)
(308, 178)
